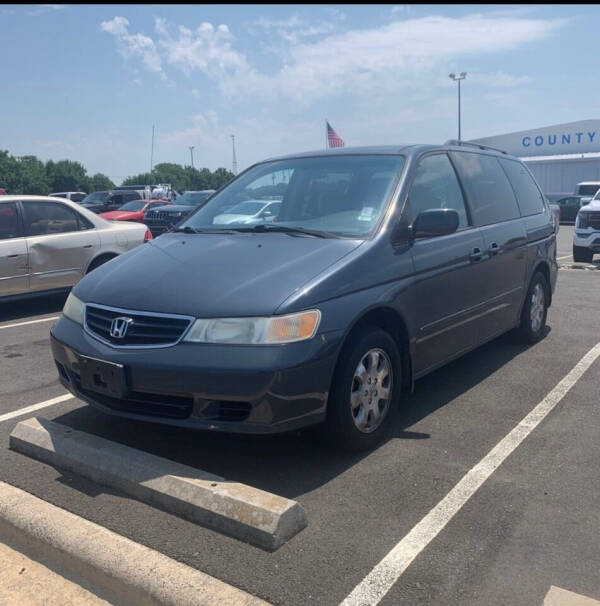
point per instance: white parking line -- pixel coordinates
(565, 257)
(34, 407)
(380, 580)
(30, 322)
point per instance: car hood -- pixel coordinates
(594, 205)
(115, 215)
(212, 275)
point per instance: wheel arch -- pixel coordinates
(394, 324)
(99, 260)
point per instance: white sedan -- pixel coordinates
(47, 244)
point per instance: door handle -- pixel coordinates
(87, 245)
(13, 256)
(493, 249)
(476, 255)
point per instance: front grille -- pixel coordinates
(145, 330)
(594, 220)
(151, 404)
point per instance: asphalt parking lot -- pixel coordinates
(533, 523)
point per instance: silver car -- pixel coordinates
(47, 244)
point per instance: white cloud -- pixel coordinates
(55, 7)
(134, 45)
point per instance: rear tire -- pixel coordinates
(365, 391)
(582, 254)
(535, 310)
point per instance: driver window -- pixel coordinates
(436, 186)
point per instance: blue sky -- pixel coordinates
(87, 82)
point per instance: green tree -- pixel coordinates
(141, 179)
(67, 175)
(100, 182)
(220, 177)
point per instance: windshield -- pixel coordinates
(246, 208)
(97, 196)
(133, 205)
(190, 199)
(596, 196)
(587, 190)
(340, 195)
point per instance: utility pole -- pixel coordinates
(234, 163)
(458, 78)
(152, 150)
(192, 154)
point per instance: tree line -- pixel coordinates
(29, 175)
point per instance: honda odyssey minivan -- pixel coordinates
(384, 264)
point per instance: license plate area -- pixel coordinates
(107, 378)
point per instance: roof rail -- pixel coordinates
(478, 145)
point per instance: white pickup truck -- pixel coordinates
(586, 236)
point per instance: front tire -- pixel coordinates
(366, 386)
(582, 254)
(535, 310)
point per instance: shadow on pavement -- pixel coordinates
(292, 464)
(37, 306)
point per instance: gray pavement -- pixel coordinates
(533, 524)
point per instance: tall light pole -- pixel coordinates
(458, 78)
(191, 148)
(152, 151)
(234, 162)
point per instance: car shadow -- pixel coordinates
(35, 306)
(295, 463)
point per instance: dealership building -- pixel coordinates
(559, 156)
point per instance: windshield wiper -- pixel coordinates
(192, 230)
(263, 227)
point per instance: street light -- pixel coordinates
(458, 78)
(192, 154)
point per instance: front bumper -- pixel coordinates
(587, 239)
(237, 389)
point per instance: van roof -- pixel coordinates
(405, 149)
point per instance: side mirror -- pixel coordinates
(435, 222)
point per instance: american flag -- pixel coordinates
(333, 139)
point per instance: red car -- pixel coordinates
(133, 211)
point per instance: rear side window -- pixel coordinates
(528, 194)
(436, 186)
(490, 194)
(45, 218)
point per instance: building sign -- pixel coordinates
(571, 138)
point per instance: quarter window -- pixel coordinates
(43, 218)
(491, 197)
(9, 221)
(528, 194)
(436, 186)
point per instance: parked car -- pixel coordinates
(587, 190)
(249, 212)
(115, 200)
(76, 196)
(97, 197)
(586, 236)
(384, 264)
(569, 205)
(134, 210)
(160, 220)
(47, 244)
(2, 191)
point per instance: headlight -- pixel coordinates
(256, 331)
(73, 309)
(582, 220)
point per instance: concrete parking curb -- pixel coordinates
(103, 562)
(249, 514)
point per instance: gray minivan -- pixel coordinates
(383, 264)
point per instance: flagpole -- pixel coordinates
(325, 134)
